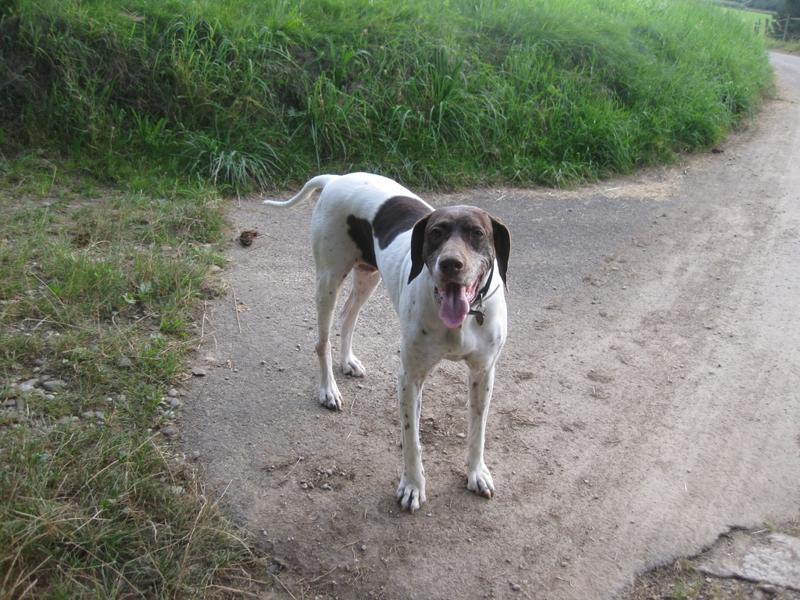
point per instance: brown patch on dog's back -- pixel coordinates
(396, 215)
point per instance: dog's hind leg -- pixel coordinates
(329, 282)
(365, 280)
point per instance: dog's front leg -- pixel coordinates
(481, 382)
(411, 491)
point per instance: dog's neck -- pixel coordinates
(476, 308)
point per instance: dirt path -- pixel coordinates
(648, 398)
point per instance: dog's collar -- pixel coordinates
(476, 308)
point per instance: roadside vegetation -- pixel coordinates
(258, 94)
(98, 288)
(124, 124)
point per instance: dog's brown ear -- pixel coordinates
(417, 242)
(502, 246)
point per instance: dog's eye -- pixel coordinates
(436, 233)
(477, 234)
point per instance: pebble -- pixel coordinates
(461, 435)
(515, 587)
(175, 403)
(124, 362)
(172, 393)
(27, 386)
(214, 269)
(169, 431)
(326, 486)
(363, 547)
(195, 455)
(54, 385)
(199, 372)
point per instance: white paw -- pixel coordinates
(409, 495)
(480, 481)
(352, 366)
(330, 397)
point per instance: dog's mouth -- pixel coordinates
(454, 301)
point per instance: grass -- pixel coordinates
(760, 21)
(792, 47)
(97, 289)
(247, 94)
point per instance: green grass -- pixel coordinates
(247, 94)
(787, 47)
(97, 288)
(759, 21)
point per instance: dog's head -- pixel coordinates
(459, 245)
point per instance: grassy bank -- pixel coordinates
(259, 94)
(97, 292)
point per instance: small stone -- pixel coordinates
(461, 435)
(124, 362)
(169, 431)
(100, 415)
(214, 269)
(172, 393)
(54, 385)
(515, 587)
(199, 372)
(89, 414)
(363, 547)
(195, 455)
(27, 386)
(326, 487)
(175, 403)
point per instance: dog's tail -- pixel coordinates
(311, 186)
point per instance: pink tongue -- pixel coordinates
(454, 307)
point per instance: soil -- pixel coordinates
(647, 400)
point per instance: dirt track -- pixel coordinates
(648, 398)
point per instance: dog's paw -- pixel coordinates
(330, 398)
(479, 480)
(410, 496)
(352, 366)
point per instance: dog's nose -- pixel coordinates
(451, 266)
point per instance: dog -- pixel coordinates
(445, 271)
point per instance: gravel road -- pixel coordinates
(648, 398)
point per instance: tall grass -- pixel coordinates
(245, 93)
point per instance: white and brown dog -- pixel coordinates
(445, 271)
